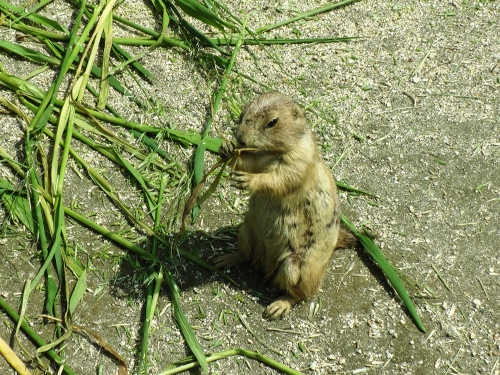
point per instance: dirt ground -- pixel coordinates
(409, 112)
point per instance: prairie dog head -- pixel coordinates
(272, 122)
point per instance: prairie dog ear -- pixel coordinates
(297, 110)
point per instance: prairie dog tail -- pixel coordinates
(346, 239)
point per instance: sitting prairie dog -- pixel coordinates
(292, 225)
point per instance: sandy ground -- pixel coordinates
(410, 112)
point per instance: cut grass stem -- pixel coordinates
(190, 363)
(35, 338)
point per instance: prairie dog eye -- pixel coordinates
(272, 123)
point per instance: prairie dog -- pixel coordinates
(292, 225)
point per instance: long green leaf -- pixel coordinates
(33, 16)
(183, 323)
(387, 268)
(138, 176)
(78, 292)
(192, 33)
(20, 207)
(199, 157)
(190, 363)
(28, 53)
(196, 10)
(310, 13)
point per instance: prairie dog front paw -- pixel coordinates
(241, 180)
(226, 150)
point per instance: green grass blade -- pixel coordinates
(232, 39)
(46, 107)
(199, 157)
(28, 53)
(38, 32)
(137, 66)
(137, 175)
(190, 30)
(78, 292)
(346, 187)
(20, 207)
(189, 363)
(55, 250)
(108, 44)
(183, 323)
(52, 291)
(34, 180)
(310, 13)
(24, 305)
(388, 270)
(32, 16)
(20, 85)
(151, 304)
(213, 186)
(196, 10)
(152, 297)
(165, 21)
(185, 138)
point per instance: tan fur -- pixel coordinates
(292, 225)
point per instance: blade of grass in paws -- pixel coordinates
(186, 329)
(387, 268)
(193, 199)
(199, 157)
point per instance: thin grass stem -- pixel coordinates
(182, 366)
(307, 14)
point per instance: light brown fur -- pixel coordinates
(292, 225)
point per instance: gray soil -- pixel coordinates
(410, 112)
